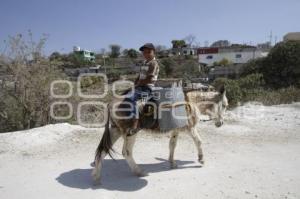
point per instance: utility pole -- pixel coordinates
(271, 37)
(104, 56)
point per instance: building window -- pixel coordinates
(209, 57)
(238, 56)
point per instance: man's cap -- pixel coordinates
(147, 45)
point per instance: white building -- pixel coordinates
(186, 50)
(292, 36)
(235, 55)
(189, 51)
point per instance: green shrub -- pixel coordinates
(252, 81)
(282, 66)
(167, 66)
(11, 114)
(253, 66)
(224, 62)
(251, 88)
(86, 82)
(189, 68)
(233, 90)
(273, 97)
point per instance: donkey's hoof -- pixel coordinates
(96, 179)
(173, 165)
(200, 159)
(93, 164)
(201, 162)
(95, 176)
(96, 183)
(141, 174)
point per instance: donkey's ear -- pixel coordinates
(222, 90)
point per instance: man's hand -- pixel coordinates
(144, 82)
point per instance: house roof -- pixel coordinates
(232, 48)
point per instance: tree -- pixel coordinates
(220, 43)
(115, 50)
(74, 61)
(55, 56)
(167, 66)
(132, 53)
(281, 68)
(190, 39)
(224, 62)
(253, 66)
(27, 103)
(178, 43)
(160, 48)
(125, 52)
(161, 51)
(190, 68)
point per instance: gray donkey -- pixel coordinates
(196, 103)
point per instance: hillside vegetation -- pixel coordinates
(271, 80)
(25, 99)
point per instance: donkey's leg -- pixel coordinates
(172, 145)
(97, 169)
(127, 153)
(114, 134)
(194, 134)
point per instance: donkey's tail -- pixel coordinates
(105, 144)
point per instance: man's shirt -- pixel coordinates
(150, 68)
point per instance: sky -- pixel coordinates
(95, 24)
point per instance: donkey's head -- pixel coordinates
(220, 107)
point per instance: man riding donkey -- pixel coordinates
(117, 127)
(143, 84)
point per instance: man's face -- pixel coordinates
(148, 54)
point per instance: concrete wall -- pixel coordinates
(233, 57)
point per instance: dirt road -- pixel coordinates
(256, 154)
